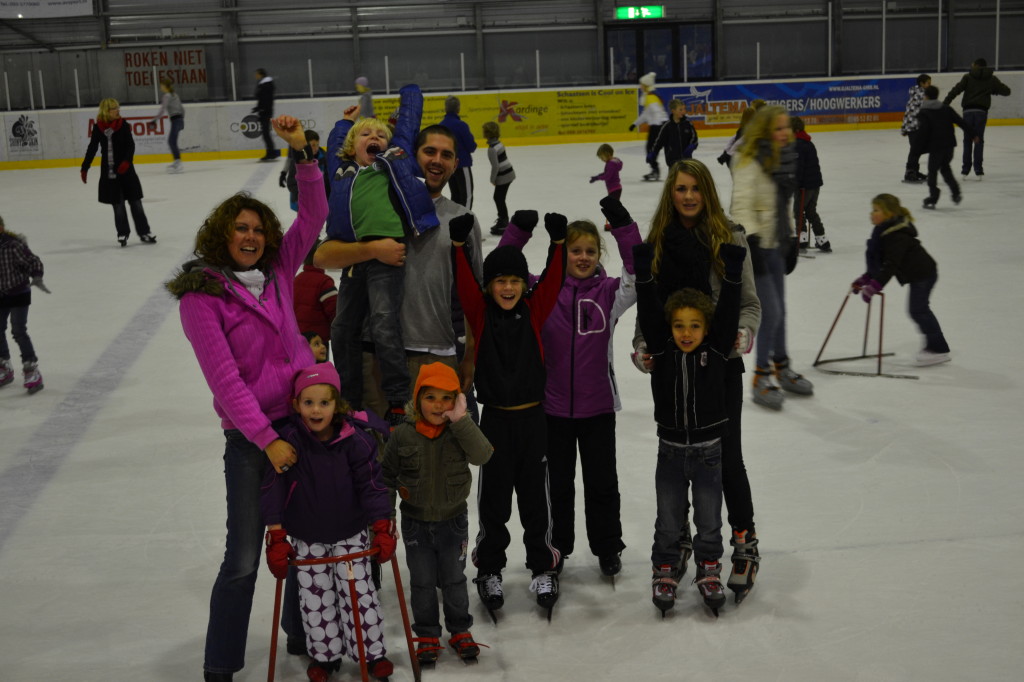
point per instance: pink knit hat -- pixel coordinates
(322, 373)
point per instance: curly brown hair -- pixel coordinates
(219, 227)
(690, 298)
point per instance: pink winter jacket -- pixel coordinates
(249, 350)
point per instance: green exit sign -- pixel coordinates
(644, 12)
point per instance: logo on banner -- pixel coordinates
(699, 105)
(24, 136)
(250, 126)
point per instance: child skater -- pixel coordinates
(325, 502)
(20, 270)
(375, 194)
(426, 462)
(610, 175)
(502, 174)
(894, 250)
(808, 187)
(690, 339)
(506, 321)
(315, 299)
(581, 396)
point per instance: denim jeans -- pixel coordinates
(19, 330)
(435, 552)
(771, 289)
(177, 125)
(921, 313)
(138, 215)
(975, 119)
(370, 291)
(231, 600)
(679, 468)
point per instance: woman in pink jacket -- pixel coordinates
(236, 310)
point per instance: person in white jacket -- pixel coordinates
(653, 114)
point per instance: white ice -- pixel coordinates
(889, 509)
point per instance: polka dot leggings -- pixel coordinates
(327, 605)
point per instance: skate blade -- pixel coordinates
(35, 389)
(493, 614)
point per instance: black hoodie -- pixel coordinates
(978, 87)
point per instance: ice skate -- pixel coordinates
(791, 381)
(664, 581)
(545, 586)
(428, 649)
(745, 561)
(610, 564)
(148, 238)
(930, 202)
(320, 671)
(927, 357)
(709, 584)
(122, 240)
(653, 176)
(914, 177)
(766, 394)
(33, 379)
(6, 372)
(821, 244)
(175, 167)
(488, 586)
(465, 647)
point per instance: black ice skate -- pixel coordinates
(610, 565)
(488, 586)
(664, 581)
(545, 585)
(745, 561)
(709, 584)
(653, 176)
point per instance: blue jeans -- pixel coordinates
(921, 313)
(177, 125)
(370, 291)
(231, 601)
(435, 552)
(19, 330)
(771, 289)
(679, 467)
(975, 119)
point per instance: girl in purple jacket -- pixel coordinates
(581, 396)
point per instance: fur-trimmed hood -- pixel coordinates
(197, 276)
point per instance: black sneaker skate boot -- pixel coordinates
(664, 581)
(745, 561)
(545, 586)
(610, 564)
(709, 584)
(488, 586)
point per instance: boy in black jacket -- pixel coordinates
(689, 385)
(936, 137)
(677, 137)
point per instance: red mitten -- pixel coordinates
(385, 538)
(84, 174)
(279, 552)
(123, 167)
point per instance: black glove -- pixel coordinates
(615, 212)
(791, 254)
(723, 158)
(555, 224)
(755, 254)
(281, 179)
(525, 220)
(632, 127)
(643, 258)
(460, 226)
(732, 256)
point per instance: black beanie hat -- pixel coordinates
(505, 260)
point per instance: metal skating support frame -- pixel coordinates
(864, 348)
(347, 559)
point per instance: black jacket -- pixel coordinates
(978, 87)
(265, 98)
(689, 388)
(808, 169)
(935, 134)
(675, 138)
(894, 250)
(115, 149)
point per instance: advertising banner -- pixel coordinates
(22, 136)
(183, 66)
(44, 9)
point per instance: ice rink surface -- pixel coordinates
(889, 510)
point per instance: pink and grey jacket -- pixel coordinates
(249, 349)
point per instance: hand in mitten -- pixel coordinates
(651, 157)
(870, 288)
(615, 212)
(460, 226)
(458, 411)
(279, 552)
(723, 158)
(525, 220)
(385, 538)
(690, 149)
(556, 224)
(732, 257)
(84, 174)
(859, 283)
(643, 257)
(641, 360)
(593, 179)
(744, 340)
(123, 167)
(632, 127)
(38, 282)
(281, 179)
